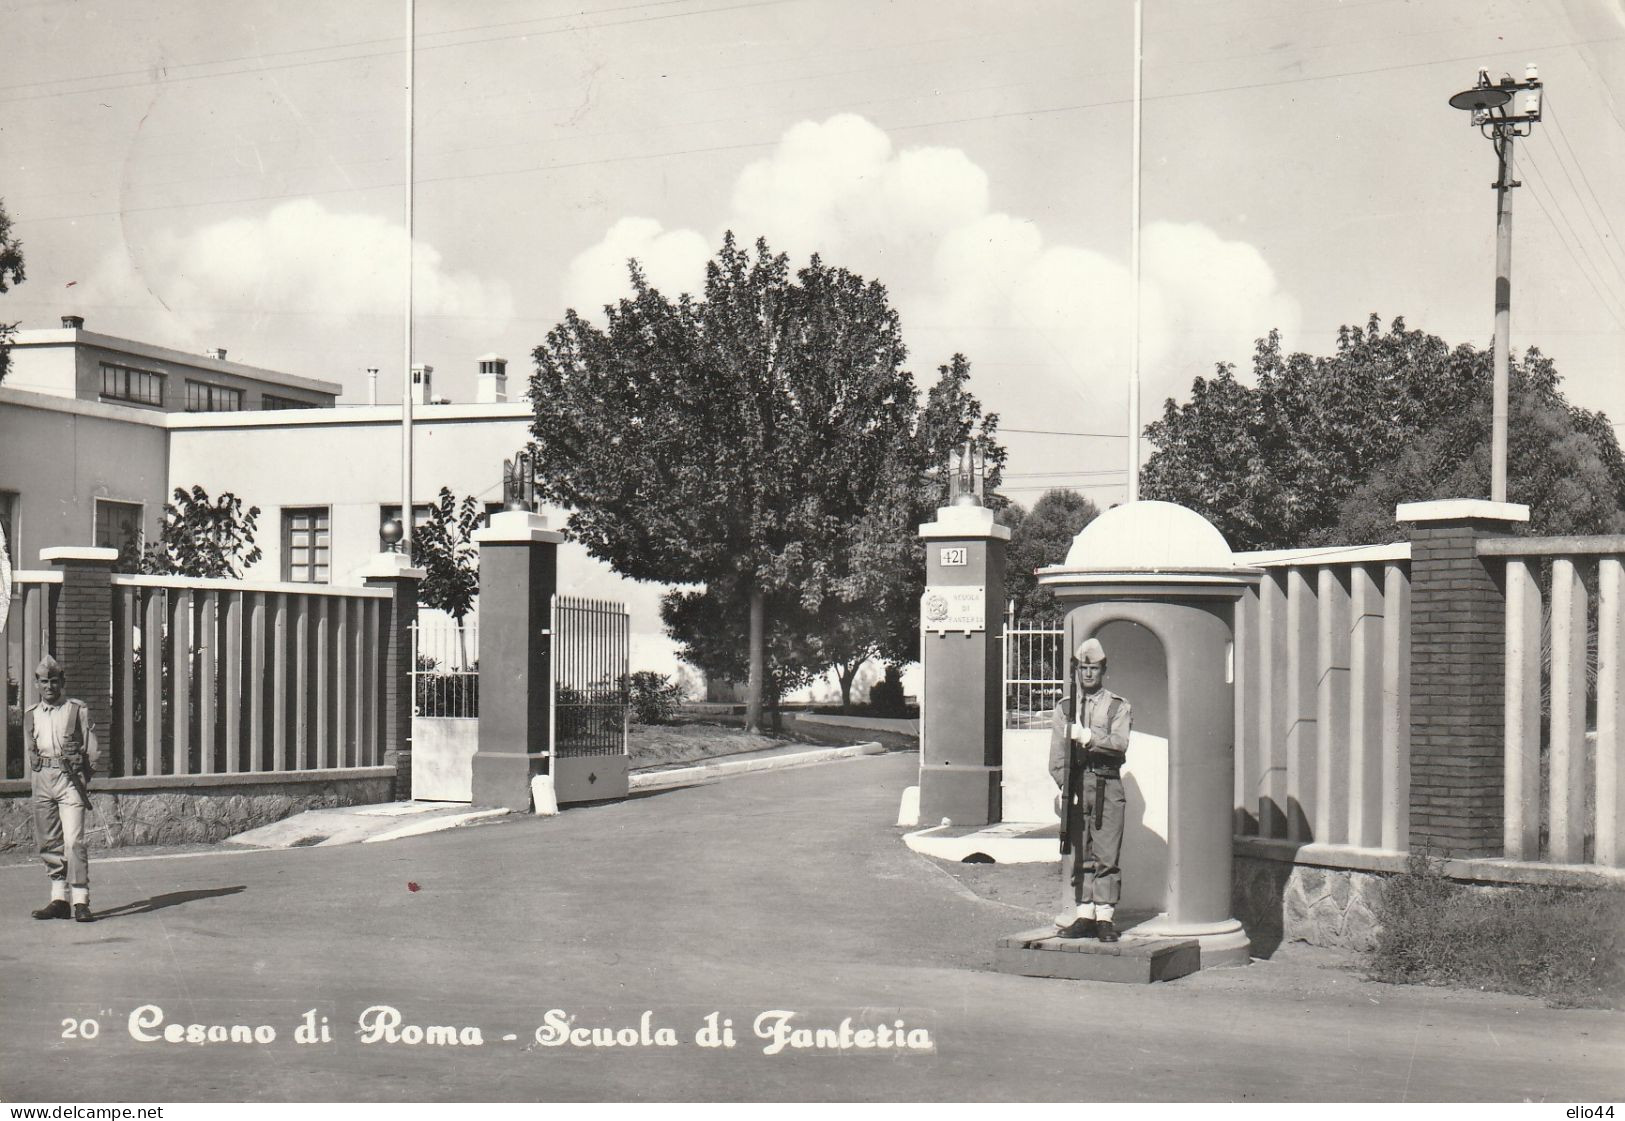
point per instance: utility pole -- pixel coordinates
(406, 372)
(1502, 113)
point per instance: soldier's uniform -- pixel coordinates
(1094, 818)
(62, 753)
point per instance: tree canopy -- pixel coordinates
(1038, 538)
(202, 537)
(1320, 449)
(762, 439)
(11, 272)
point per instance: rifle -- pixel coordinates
(1069, 794)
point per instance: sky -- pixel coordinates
(204, 175)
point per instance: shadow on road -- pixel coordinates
(172, 899)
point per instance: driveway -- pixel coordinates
(787, 892)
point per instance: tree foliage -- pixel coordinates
(762, 439)
(1319, 450)
(11, 272)
(1039, 538)
(443, 546)
(201, 537)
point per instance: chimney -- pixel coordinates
(423, 385)
(493, 382)
(218, 353)
(74, 322)
(372, 385)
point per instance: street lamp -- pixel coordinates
(1502, 111)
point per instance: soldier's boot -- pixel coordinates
(55, 909)
(1077, 928)
(1106, 932)
(81, 913)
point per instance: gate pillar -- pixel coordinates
(962, 705)
(518, 576)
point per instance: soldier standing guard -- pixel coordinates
(62, 752)
(1088, 743)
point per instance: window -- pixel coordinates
(271, 401)
(138, 387)
(420, 514)
(8, 524)
(118, 526)
(306, 549)
(201, 397)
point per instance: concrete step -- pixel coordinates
(1136, 960)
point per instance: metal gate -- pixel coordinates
(1034, 682)
(590, 699)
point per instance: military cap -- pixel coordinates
(48, 667)
(1091, 651)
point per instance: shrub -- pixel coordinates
(886, 695)
(654, 697)
(1566, 946)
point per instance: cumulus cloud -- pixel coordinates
(1045, 324)
(329, 267)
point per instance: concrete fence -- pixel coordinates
(1322, 671)
(219, 705)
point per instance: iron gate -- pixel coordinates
(590, 699)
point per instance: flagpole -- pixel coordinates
(406, 373)
(1134, 267)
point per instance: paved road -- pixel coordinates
(784, 891)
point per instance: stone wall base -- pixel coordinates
(1280, 902)
(191, 814)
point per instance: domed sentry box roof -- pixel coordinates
(1150, 542)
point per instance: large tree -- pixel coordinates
(11, 272)
(1320, 448)
(746, 439)
(1038, 538)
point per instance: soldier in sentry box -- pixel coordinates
(1088, 743)
(62, 752)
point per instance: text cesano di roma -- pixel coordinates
(778, 1029)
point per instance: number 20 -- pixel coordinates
(80, 1029)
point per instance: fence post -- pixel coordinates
(83, 628)
(518, 576)
(1458, 677)
(394, 572)
(961, 717)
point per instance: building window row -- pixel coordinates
(271, 401)
(202, 397)
(138, 387)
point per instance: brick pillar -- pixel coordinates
(394, 571)
(1458, 677)
(83, 629)
(961, 624)
(518, 576)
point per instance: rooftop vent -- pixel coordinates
(74, 322)
(218, 353)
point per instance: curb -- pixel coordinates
(683, 776)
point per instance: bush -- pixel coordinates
(654, 697)
(446, 693)
(886, 695)
(1566, 946)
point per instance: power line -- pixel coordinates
(1564, 230)
(399, 49)
(1057, 432)
(1586, 179)
(602, 161)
